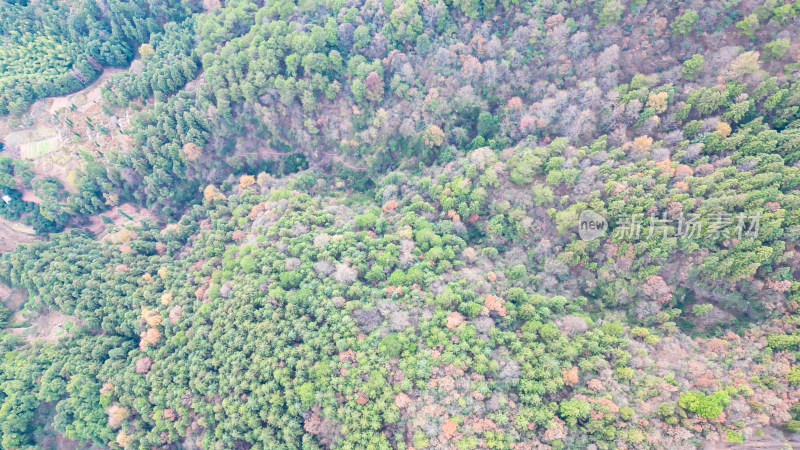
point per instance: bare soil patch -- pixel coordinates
(12, 298)
(119, 216)
(12, 234)
(47, 326)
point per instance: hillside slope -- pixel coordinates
(461, 224)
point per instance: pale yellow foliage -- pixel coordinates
(170, 228)
(211, 193)
(744, 64)
(124, 440)
(433, 136)
(245, 181)
(151, 316)
(724, 129)
(116, 414)
(162, 272)
(405, 232)
(658, 102)
(642, 143)
(191, 151)
(72, 177)
(112, 199)
(166, 298)
(122, 236)
(146, 50)
(381, 118)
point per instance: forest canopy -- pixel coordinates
(404, 224)
(53, 47)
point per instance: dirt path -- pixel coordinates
(42, 109)
(340, 160)
(83, 99)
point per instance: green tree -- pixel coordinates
(777, 48)
(708, 406)
(692, 66)
(685, 23)
(749, 25)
